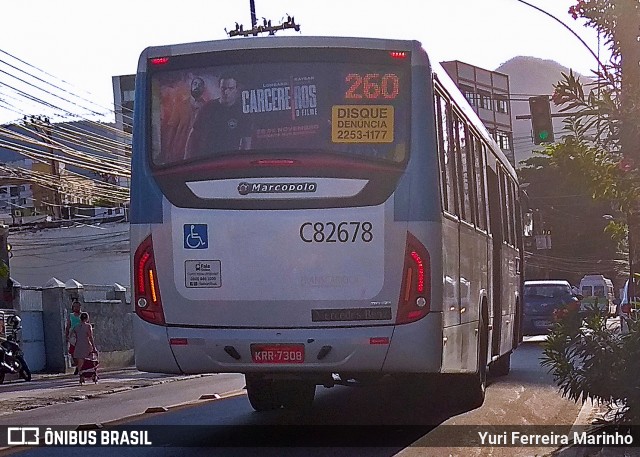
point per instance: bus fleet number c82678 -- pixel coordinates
(336, 232)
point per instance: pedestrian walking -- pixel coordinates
(85, 349)
(73, 319)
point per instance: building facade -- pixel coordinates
(488, 93)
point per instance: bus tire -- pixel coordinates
(502, 366)
(296, 395)
(517, 332)
(473, 386)
(262, 393)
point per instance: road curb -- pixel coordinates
(69, 374)
(587, 414)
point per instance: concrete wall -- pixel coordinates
(110, 312)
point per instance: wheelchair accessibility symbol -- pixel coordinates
(195, 236)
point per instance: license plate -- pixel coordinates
(543, 324)
(277, 353)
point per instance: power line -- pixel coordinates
(66, 143)
(48, 104)
(51, 76)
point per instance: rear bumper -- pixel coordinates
(151, 348)
(415, 347)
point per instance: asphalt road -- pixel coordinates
(394, 417)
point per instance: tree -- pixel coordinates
(590, 360)
(602, 144)
(603, 133)
(573, 219)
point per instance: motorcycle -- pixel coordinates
(11, 356)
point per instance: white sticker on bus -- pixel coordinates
(202, 273)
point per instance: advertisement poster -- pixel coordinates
(334, 107)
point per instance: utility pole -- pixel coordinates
(254, 20)
(626, 33)
(42, 126)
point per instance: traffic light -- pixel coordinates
(541, 119)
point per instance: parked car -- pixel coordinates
(541, 299)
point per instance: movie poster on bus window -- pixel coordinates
(279, 107)
(285, 111)
(181, 95)
(213, 111)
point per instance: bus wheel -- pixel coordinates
(473, 387)
(296, 395)
(502, 366)
(262, 393)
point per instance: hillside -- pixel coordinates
(530, 76)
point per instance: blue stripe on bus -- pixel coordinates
(146, 208)
(416, 197)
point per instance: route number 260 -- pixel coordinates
(372, 86)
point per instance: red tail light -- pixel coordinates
(147, 294)
(416, 283)
(160, 60)
(399, 54)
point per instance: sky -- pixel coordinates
(78, 45)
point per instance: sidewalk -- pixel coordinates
(104, 372)
(594, 417)
(50, 389)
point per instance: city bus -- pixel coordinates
(313, 211)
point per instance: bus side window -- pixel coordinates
(504, 205)
(478, 154)
(510, 208)
(460, 155)
(471, 173)
(512, 211)
(446, 160)
(519, 221)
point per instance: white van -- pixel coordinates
(598, 288)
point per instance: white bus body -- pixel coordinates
(329, 251)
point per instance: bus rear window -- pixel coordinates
(281, 107)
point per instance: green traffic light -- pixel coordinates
(543, 135)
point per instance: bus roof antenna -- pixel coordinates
(266, 26)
